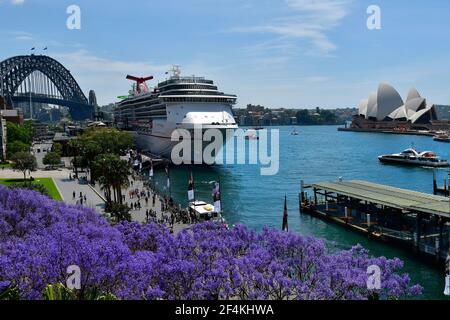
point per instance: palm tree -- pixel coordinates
(119, 176)
(112, 172)
(74, 145)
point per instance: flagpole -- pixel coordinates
(220, 194)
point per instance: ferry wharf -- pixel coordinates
(417, 221)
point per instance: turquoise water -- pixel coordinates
(319, 153)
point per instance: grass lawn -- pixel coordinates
(47, 182)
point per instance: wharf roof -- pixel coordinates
(388, 196)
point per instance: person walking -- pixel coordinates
(447, 274)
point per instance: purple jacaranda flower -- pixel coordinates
(40, 238)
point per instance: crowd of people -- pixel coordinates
(82, 199)
(147, 197)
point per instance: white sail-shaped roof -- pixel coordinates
(387, 104)
(372, 106)
(415, 104)
(399, 113)
(388, 100)
(413, 94)
(420, 113)
(363, 107)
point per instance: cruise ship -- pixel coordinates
(180, 102)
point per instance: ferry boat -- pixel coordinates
(180, 102)
(412, 157)
(442, 137)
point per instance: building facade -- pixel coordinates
(3, 137)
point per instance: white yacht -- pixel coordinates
(177, 103)
(413, 157)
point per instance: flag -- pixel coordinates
(32, 49)
(168, 177)
(45, 48)
(167, 72)
(191, 188)
(285, 216)
(216, 197)
(151, 169)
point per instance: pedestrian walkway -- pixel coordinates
(139, 214)
(74, 192)
(93, 196)
(65, 186)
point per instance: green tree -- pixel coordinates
(97, 141)
(24, 161)
(57, 148)
(52, 159)
(74, 151)
(112, 172)
(120, 212)
(13, 147)
(20, 133)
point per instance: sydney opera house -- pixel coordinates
(386, 110)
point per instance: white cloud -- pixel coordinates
(22, 35)
(17, 2)
(106, 76)
(310, 21)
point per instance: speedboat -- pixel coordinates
(251, 135)
(442, 137)
(294, 133)
(415, 158)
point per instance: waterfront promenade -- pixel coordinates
(93, 196)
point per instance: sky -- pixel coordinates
(278, 53)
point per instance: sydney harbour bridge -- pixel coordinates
(32, 79)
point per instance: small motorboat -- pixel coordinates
(415, 158)
(205, 211)
(442, 137)
(251, 135)
(294, 133)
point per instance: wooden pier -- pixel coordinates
(416, 220)
(442, 191)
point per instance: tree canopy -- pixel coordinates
(24, 161)
(52, 159)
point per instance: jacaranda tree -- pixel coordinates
(40, 238)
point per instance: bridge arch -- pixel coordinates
(15, 70)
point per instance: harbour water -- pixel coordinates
(318, 153)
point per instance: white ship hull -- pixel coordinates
(189, 103)
(159, 141)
